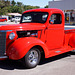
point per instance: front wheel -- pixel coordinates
(32, 58)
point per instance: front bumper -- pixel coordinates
(3, 57)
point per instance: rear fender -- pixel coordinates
(21, 46)
(72, 41)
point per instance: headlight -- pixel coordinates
(12, 36)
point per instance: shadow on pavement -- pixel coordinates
(48, 60)
(11, 64)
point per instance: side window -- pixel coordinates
(27, 18)
(55, 19)
(44, 17)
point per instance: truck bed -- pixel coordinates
(69, 27)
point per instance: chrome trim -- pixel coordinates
(11, 36)
(3, 34)
(3, 57)
(2, 43)
(5, 30)
(33, 57)
(57, 51)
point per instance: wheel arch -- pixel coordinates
(72, 40)
(18, 50)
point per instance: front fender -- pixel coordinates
(21, 46)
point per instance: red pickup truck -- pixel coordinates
(40, 32)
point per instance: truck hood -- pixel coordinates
(24, 26)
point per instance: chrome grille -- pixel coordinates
(2, 43)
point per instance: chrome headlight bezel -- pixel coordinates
(11, 36)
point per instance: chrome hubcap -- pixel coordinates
(33, 57)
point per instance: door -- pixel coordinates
(55, 32)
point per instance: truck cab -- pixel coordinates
(40, 32)
(53, 29)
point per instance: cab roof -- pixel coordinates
(43, 10)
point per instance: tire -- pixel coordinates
(32, 58)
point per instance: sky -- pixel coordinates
(40, 3)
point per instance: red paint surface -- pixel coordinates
(3, 19)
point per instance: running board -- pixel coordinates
(59, 51)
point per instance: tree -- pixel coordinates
(13, 3)
(3, 11)
(21, 9)
(27, 7)
(2, 4)
(7, 3)
(46, 6)
(19, 4)
(15, 9)
(18, 7)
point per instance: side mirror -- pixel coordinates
(51, 22)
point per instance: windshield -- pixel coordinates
(34, 17)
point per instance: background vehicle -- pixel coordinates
(2, 19)
(40, 32)
(16, 18)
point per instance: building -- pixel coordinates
(14, 16)
(68, 6)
